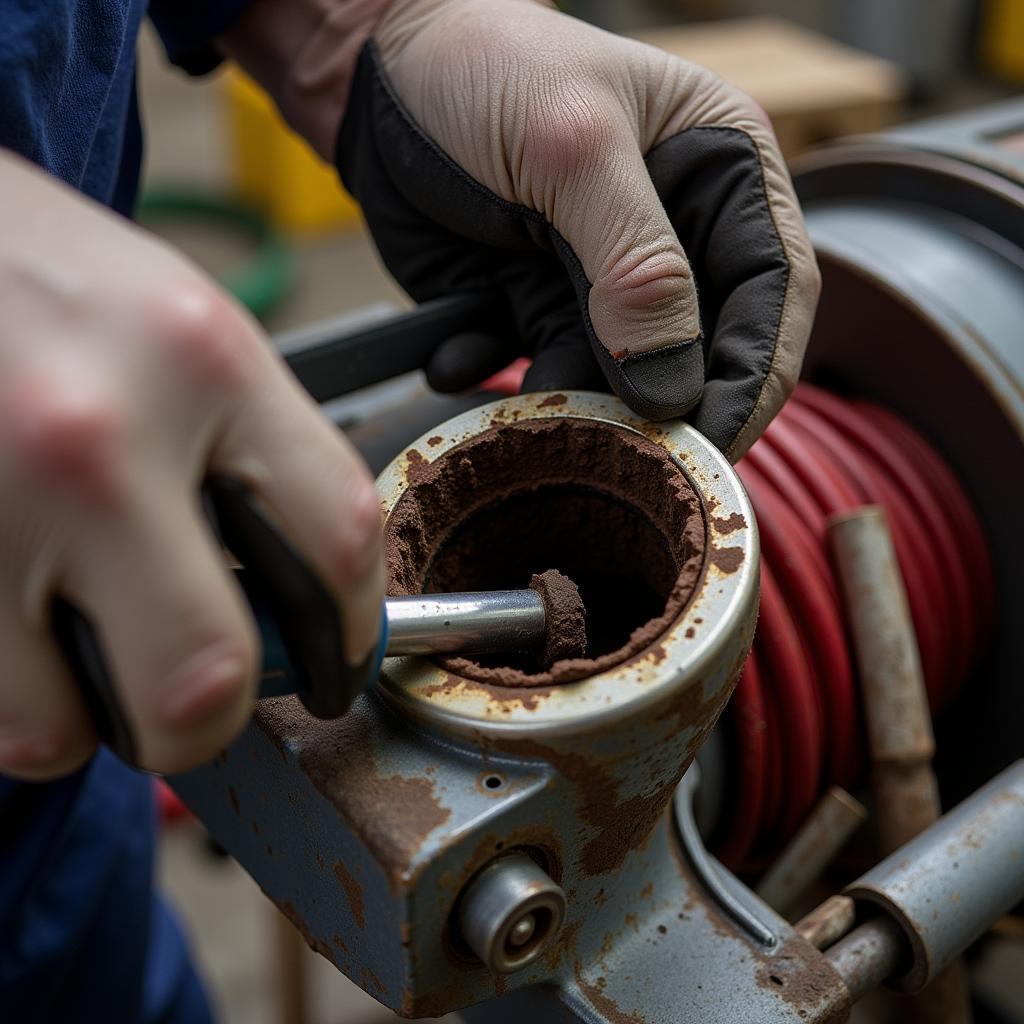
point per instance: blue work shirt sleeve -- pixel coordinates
(189, 27)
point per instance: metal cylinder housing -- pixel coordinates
(701, 651)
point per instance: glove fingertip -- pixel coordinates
(464, 360)
(660, 385)
(563, 368)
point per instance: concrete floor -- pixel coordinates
(233, 927)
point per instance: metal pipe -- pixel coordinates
(806, 856)
(828, 922)
(500, 620)
(947, 886)
(868, 955)
(896, 708)
(895, 701)
(510, 912)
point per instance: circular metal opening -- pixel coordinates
(608, 508)
(510, 912)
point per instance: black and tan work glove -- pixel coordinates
(634, 208)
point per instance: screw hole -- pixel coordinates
(494, 782)
(774, 979)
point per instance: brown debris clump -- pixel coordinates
(565, 625)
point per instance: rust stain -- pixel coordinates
(391, 814)
(690, 632)
(504, 696)
(801, 976)
(353, 893)
(415, 465)
(621, 825)
(730, 524)
(603, 1004)
(339, 942)
(233, 797)
(435, 440)
(370, 979)
(728, 560)
(315, 944)
(320, 861)
(552, 400)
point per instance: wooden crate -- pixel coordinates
(813, 88)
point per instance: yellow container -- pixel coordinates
(276, 171)
(1002, 38)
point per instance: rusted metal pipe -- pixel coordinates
(806, 856)
(828, 922)
(895, 702)
(896, 709)
(956, 879)
(868, 955)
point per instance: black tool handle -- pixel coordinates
(300, 625)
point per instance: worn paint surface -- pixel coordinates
(396, 792)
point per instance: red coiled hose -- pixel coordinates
(796, 715)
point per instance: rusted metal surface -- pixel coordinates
(827, 923)
(806, 856)
(895, 701)
(898, 717)
(367, 829)
(949, 884)
(868, 955)
(898, 721)
(705, 636)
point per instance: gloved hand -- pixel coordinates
(125, 378)
(634, 208)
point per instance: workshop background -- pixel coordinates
(227, 183)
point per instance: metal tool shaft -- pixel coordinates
(490, 621)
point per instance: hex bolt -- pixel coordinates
(510, 912)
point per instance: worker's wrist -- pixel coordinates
(304, 52)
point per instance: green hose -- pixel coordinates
(264, 279)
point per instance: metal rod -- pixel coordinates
(823, 834)
(896, 708)
(731, 895)
(827, 923)
(952, 882)
(895, 701)
(500, 620)
(335, 358)
(868, 955)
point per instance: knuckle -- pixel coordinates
(67, 434)
(645, 277)
(46, 751)
(210, 688)
(567, 134)
(204, 334)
